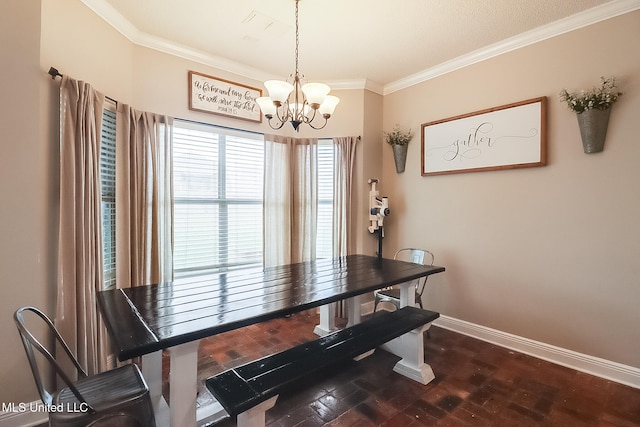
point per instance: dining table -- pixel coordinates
(143, 321)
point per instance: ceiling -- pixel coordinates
(380, 44)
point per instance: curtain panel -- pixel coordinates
(343, 208)
(144, 213)
(290, 199)
(144, 198)
(80, 264)
(344, 155)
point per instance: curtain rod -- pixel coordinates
(53, 72)
(228, 127)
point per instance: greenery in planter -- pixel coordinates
(398, 136)
(598, 98)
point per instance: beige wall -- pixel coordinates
(36, 35)
(547, 253)
(369, 165)
(25, 188)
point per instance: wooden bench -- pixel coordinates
(248, 391)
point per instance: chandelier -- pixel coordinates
(308, 100)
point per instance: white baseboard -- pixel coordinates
(623, 374)
(603, 368)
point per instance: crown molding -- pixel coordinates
(597, 14)
(181, 51)
(571, 23)
(112, 17)
(357, 84)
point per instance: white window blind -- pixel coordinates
(218, 176)
(324, 241)
(108, 190)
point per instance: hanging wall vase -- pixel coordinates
(400, 156)
(399, 140)
(593, 129)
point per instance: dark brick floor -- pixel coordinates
(477, 384)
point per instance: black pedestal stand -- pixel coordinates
(380, 237)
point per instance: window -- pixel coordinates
(108, 196)
(218, 176)
(218, 188)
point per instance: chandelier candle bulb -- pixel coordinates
(267, 106)
(315, 93)
(279, 91)
(328, 106)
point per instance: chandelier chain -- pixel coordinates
(297, 37)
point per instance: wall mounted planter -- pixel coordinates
(400, 156)
(593, 129)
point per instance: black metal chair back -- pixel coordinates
(116, 395)
(31, 345)
(392, 294)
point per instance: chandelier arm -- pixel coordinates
(281, 118)
(286, 112)
(318, 128)
(275, 127)
(308, 119)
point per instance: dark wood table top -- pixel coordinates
(145, 319)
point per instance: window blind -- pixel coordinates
(218, 176)
(324, 242)
(108, 190)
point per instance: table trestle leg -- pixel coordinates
(183, 383)
(327, 320)
(152, 373)
(410, 346)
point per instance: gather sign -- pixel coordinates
(223, 97)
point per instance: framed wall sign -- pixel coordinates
(506, 137)
(223, 97)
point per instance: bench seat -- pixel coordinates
(244, 387)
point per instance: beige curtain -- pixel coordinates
(144, 198)
(344, 155)
(290, 199)
(80, 268)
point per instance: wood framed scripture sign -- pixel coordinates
(223, 97)
(506, 137)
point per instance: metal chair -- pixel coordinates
(392, 294)
(110, 396)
